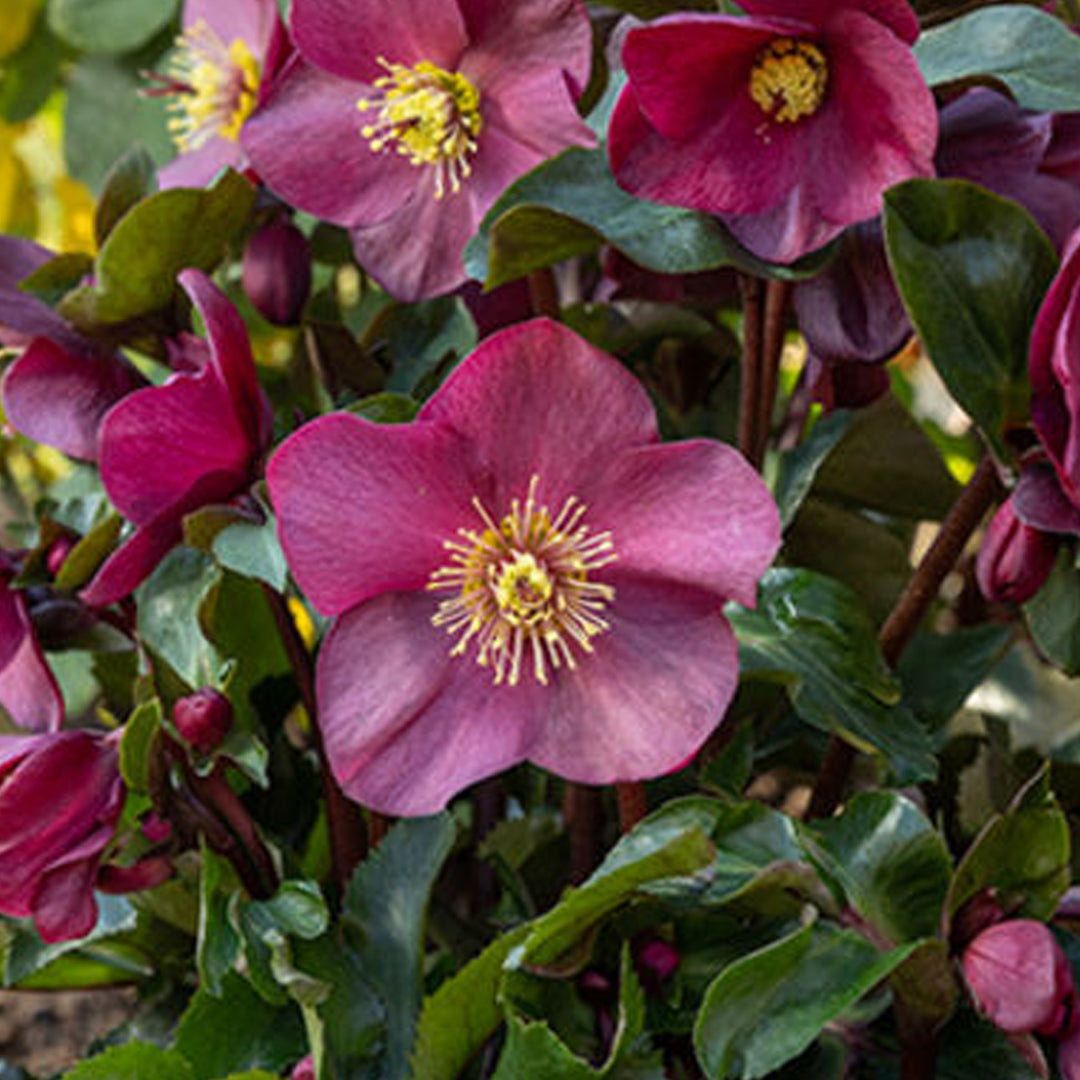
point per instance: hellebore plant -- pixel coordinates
(404, 122)
(523, 573)
(167, 450)
(755, 118)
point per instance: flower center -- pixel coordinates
(213, 88)
(430, 116)
(788, 79)
(522, 588)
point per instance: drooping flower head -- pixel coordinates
(226, 56)
(757, 119)
(524, 572)
(404, 122)
(167, 450)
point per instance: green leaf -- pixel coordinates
(53, 280)
(89, 553)
(217, 944)
(238, 1031)
(767, 1008)
(135, 272)
(970, 1047)
(800, 466)
(1053, 615)
(109, 26)
(1034, 54)
(132, 178)
(892, 864)
(534, 1052)
(386, 408)
(28, 77)
(731, 770)
(812, 634)
(133, 1061)
(972, 269)
(136, 744)
(384, 912)
(1024, 853)
(462, 1014)
(253, 551)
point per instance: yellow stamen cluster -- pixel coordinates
(430, 116)
(788, 79)
(215, 88)
(522, 588)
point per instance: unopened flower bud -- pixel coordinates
(1020, 978)
(1014, 559)
(277, 272)
(656, 961)
(203, 718)
(304, 1069)
(58, 552)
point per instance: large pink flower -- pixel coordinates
(60, 798)
(167, 450)
(790, 122)
(405, 121)
(525, 572)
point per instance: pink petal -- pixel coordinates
(305, 143)
(365, 509)
(693, 512)
(406, 726)
(198, 167)
(897, 15)
(536, 399)
(60, 398)
(345, 37)
(1068, 1055)
(656, 686)
(64, 905)
(28, 689)
(133, 562)
(249, 21)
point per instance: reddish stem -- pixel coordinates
(633, 804)
(544, 293)
(581, 809)
(776, 301)
(750, 384)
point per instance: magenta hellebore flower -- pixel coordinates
(60, 798)
(227, 56)
(167, 450)
(756, 118)
(523, 573)
(404, 122)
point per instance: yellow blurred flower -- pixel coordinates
(18, 207)
(16, 24)
(76, 215)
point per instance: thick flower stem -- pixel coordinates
(750, 386)
(776, 300)
(544, 293)
(982, 491)
(345, 821)
(581, 809)
(633, 805)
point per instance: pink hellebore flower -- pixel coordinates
(28, 689)
(167, 450)
(523, 573)
(404, 122)
(229, 53)
(60, 798)
(789, 122)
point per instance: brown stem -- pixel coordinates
(581, 809)
(633, 805)
(544, 293)
(776, 301)
(750, 385)
(982, 491)
(489, 802)
(344, 819)
(378, 827)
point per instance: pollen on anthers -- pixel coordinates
(522, 590)
(789, 79)
(427, 114)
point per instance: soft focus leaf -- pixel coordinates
(972, 269)
(386, 408)
(133, 1061)
(970, 1047)
(136, 745)
(89, 553)
(218, 944)
(800, 466)
(765, 1009)
(811, 633)
(109, 26)
(27, 77)
(128, 181)
(253, 551)
(1052, 615)
(1034, 54)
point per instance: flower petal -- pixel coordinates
(692, 512)
(345, 37)
(305, 143)
(365, 509)
(22, 315)
(28, 689)
(133, 562)
(60, 398)
(197, 168)
(64, 904)
(249, 21)
(656, 686)
(536, 399)
(406, 726)
(897, 15)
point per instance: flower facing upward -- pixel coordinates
(404, 122)
(757, 118)
(523, 573)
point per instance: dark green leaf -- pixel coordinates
(798, 467)
(89, 553)
(534, 1052)
(137, 742)
(386, 408)
(1053, 615)
(217, 944)
(27, 78)
(1035, 55)
(109, 26)
(730, 771)
(134, 1061)
(972, 269)
(52, 281)
(767, 1008)
(253, 551)
(970, 1047)
(132, 178)
(812, 634)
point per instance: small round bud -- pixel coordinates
(304, 1069)
(277, 272)
(1014, 559)
(58, 552)
(203, 718)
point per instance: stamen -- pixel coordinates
(788, 79)
(523, 583)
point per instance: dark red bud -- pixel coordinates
(147, 873)
(979, 913)
(203, 718)
(851, 385)
(305, 1069)
(277, 272)
(58, 552)
(1014, 559)
(656, 961)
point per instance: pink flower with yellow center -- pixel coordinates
(789, 122)
(524, 573)
(404, 122)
